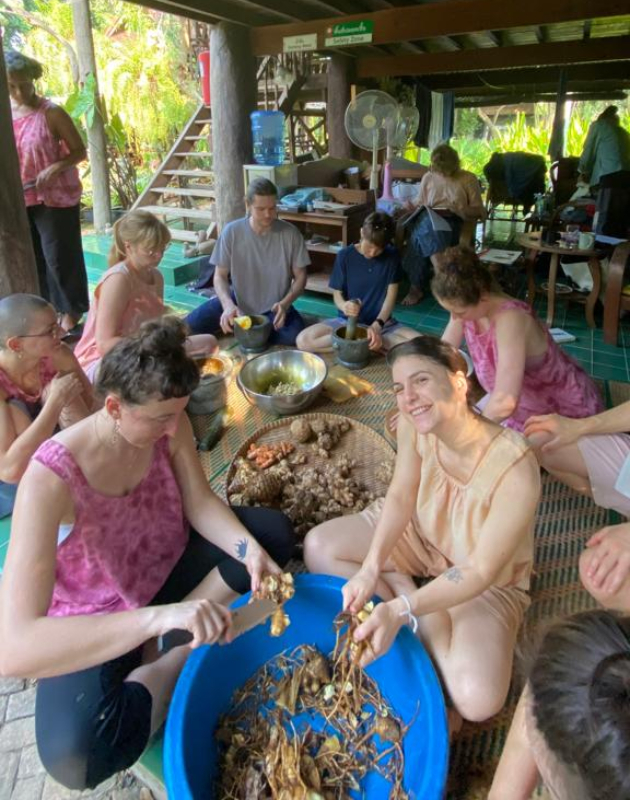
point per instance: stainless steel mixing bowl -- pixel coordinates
(305, 369)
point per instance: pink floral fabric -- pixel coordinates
(13, 392)
(121, 550)
(553, 383)
(37, 149)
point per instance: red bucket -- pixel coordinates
(204, 74)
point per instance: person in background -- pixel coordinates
(454, 195)
(131, 291)
(449, 516)
(49, 148)
(117, 540)
(365, 282)
(570, 727)
(42, 387)
(606, 148)
(266, 260)
(516, 360)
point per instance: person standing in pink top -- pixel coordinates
(515, 358)
(131, 291)
(49, 148)
(117, 541)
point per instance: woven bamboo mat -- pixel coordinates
(564, 522)
(244, 420)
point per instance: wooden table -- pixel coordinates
(534, 245)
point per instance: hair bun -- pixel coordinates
(162, 338)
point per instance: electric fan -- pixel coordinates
(367, 120)
(398, 135)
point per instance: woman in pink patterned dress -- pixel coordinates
(118, 540)
(131, 291)
(49, 148)
(516, 361)
(42, 386)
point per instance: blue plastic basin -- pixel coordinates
(211, 675)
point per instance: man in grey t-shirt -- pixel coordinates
(266, 259)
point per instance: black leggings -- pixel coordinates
(93, 723)
(56, 236)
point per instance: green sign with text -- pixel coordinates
(357, 32)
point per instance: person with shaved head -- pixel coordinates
(42, 386)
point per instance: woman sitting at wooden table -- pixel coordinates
(117, 539)
(449, 516)
(454, 196)
(42, 386)
(515, 358)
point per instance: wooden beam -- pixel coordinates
(182, 9)
(18, 272)
(528, 97)
(440, 19)
(613, 48)
(496, 37)
(499, 80)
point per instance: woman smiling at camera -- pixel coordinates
(449, 516)
(117, 539)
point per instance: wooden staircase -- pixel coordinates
(179, 190)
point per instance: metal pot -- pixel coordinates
(211, 394)
(352, 353)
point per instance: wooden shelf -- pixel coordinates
(318, 282)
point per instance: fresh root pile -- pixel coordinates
(280, 475)
(346, 729)
(278, 589)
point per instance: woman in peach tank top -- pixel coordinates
(449, 516)
(131, 291)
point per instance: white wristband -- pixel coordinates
(411, 620)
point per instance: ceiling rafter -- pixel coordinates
(607, 49)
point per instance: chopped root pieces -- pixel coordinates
(346, 729)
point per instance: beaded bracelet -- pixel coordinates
(411, 620)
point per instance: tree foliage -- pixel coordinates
(144, 74)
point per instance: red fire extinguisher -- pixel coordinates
(204, 74)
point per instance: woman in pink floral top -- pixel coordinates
(118, 540)
(516, 361)
(49, 148)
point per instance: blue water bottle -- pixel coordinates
(268, 137)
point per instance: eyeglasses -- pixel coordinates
(50, 332)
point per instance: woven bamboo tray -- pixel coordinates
(368, 448)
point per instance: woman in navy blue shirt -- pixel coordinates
(364, 281)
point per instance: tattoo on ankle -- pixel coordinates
(454, 574)
(241, 549)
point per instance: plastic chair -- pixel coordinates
(614, 300)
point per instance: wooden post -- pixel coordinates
(339, 82)
(97, 141)
(556, 143)
(18, 272)
(233, 89)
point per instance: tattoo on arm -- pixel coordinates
(454, 574)
(241, 549)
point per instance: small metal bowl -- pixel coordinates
(306, 369)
